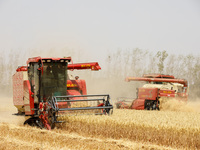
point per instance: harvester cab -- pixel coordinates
(42, 92)
(157, 88)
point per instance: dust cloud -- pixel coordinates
(7, 111)
(116, 87)
(176, 105)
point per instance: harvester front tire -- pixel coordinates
(34, 122)
(51, 119)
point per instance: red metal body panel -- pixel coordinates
(92, 66)
(62, 105)
(78, 85)
(72, 84)
(22, 68)
(166, 93)
(138, 104)
(73, 92)
(148, 93)
(28, 99)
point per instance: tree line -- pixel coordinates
(118, 64)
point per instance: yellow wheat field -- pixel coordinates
(125, 129)
(175, 128)
(24, 137)
(168, 128)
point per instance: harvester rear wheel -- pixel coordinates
(152, 105)
(158, 105)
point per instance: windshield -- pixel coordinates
(53, 79)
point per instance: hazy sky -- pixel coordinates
(97, 26)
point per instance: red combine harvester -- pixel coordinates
(158, 87)
(42, 92)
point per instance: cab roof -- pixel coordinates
(37, 59)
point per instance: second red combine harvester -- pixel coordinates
(42, 91)
(157, 88)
